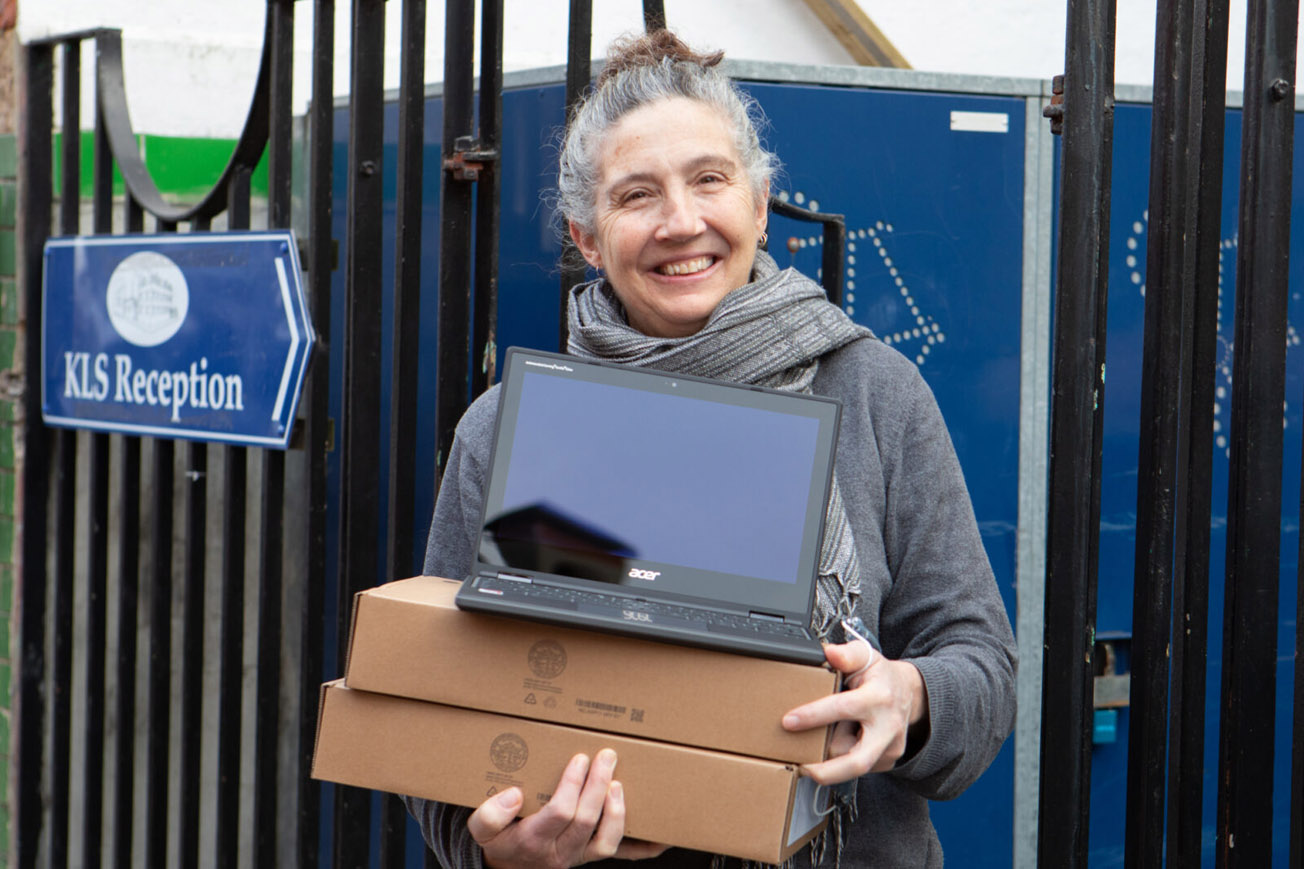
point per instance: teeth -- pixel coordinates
(689, 267)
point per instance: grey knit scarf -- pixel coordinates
(770, 332)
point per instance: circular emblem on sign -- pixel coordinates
(509, 752)
(147, 298)
(547, 659)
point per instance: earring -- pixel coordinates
(764, 239)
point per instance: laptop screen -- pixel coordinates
(640, 478)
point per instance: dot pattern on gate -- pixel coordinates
(869, 251)
(1135, 262)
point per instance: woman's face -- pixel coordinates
(676, 220)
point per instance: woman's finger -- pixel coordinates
(859, 760)
(843, 706)
(611, 828)
(854, 657)
(556, 816)
(588, 807)
(494, 815)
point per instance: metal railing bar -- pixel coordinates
(135, 174)
(360, 555)
(159, 685)
(1168, 280)
(128, 546)
(1245, 756)
(579, 73)
(1195, 447)
(266, 765)
(195, 512)
(124, 778)
(33, 689)
(271, 540)
(317, 424)
(1076, 415)
(65, 506)
(654, 15)
(453, 345)
(96, 599)
(393, 829)
(488, 201)
(70, 144)
(230, 689)
(92, 781)
(833, 255)
(400, 542)
(230, 692)
(159, 691)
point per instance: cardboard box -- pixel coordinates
(721, 803)
(410, 640)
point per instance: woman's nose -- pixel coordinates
(681, 217)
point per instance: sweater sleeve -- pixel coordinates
(944, 613)
(449, 553)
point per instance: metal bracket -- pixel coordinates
(1055, 111)
(469, 159)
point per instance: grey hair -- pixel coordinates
(632, 88)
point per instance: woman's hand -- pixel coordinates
(882, 701)
(584, 821)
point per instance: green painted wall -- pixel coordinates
(183, 169)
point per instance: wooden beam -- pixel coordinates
(858, 34)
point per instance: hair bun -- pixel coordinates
(652, 49)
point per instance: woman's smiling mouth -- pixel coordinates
(687, 267)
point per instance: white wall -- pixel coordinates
(1026, 37)
(190, 64)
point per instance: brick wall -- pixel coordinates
(8, 433)
(9, 331)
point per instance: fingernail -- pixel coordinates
(607, 757)
(508, 798)
(617, 792)
(790, 721)
(580, 762)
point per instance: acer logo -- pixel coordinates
(634, 616)
(638, 573)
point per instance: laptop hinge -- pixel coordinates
(767, 617)
(514, 577)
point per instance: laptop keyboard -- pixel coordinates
(659, 611)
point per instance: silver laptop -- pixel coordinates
(661, 506)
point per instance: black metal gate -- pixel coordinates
(212, 560)
(1170, 604)
(186, 585)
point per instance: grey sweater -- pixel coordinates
(927, 592)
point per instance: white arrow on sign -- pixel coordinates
(294, 338)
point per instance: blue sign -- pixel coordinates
(197, 336)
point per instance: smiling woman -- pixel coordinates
(663, 186)
(677, 222)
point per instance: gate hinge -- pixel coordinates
(469, 159)
(1055, 111)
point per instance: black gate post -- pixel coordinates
(1245, 757)
(360, 554)
(37, 193)
(1077, 409)
(455, 191)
